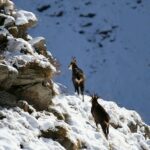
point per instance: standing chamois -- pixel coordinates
(78, 77)
(100, 115)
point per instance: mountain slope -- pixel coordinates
(112, 37)
(71, 125)
(36, 114)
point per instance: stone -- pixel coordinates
(13, 31)
(60, 134)
(7, 99)
(32, 73)
(8, 75)
(36, 95)
(39, 44)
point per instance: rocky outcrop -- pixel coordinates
(7, 99)
(61, 134)
(26, 68)
(32, 73)
(38, 95)
(8, 75)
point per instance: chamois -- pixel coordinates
(100, 115)
(78, 77)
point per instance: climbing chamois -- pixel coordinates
(78, 77)
(100, 115)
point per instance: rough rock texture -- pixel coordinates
(26, 68)
(37, 95)
(14, 31)
(24, 20)
(39, 44)
(7, 99)
(60, 134)
(32, 73)
(8, 75)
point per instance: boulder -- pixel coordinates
(7, 99)
(7, 6)
(39, 44)
(3, 39)
(32, 73)
(23, 21)
(60, 134)
(36, 95)
(8, 75)
(13, 31)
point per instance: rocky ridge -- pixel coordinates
(25, 65)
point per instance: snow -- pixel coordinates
(36, 40)
(14, 55)
(20, 128)
(23, 17)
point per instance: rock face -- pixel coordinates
(60, 134)
(37, 95)
(26, 68)
(8, 75)
(7, 99)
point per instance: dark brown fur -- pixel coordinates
(100, 115)
(78, 78)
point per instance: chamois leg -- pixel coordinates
(82, 90)
(96, 126)
(76, 87)
(104, 128)
(107, 129)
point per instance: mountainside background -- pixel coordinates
(110, 40)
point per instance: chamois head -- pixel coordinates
(73, 63)
(94, 98)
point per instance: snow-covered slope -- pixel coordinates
(110, 40)
(73, 120)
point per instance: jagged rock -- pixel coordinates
(3, 40)
(22, 31)
(8, 75)
(6, 20)
(32, 73)
(147, 131)
(24, 20)
(6, 6)
(39, 45)
(133, 127)
(2, 116)
(14, 31)
(60, 134)
(9, 22)
(2, 19)
(7, 99)
(25, 106)
(36, 95)
(58, 114)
